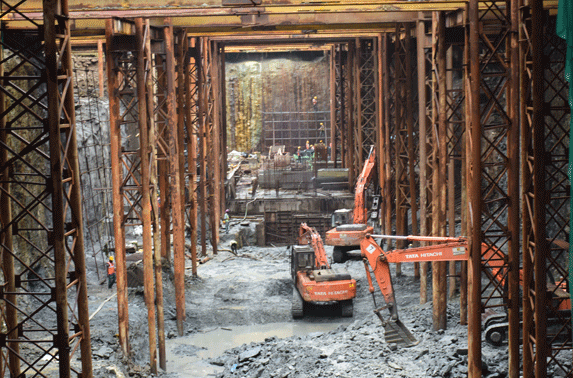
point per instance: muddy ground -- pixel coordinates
(254, 288)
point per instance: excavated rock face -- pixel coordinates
(258, 84)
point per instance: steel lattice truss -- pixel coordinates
(340, 121)
(43, 293)
(405, 150)
(368, 115)
(192, 67)
(495, 124)
(546, 199)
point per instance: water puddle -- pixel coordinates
(186, 355)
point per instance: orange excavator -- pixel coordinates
(347, 233)
(314, 280)
(452, 249)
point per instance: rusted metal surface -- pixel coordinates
(145, 151)
(176, 186)
(439, 269)
(115, 121)
(38, 130)
(100, 63)
(192, 125)
(545, 143)
(473, 130)
(405, 149)
(423, 122)
(154, 196)
(513, 191)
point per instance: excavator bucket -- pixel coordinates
(397, 333)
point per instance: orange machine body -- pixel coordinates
(321, 283)
(311, 289)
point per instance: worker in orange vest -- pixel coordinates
(110, 273)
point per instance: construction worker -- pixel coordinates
(226, 220)
(110, 273)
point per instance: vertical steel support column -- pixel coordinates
(145, 152)
(192, 106)
(57, 177)
(423, 154)
(333, 104)
(100, 67)
(356, 115)
(203, 139)
(367, 115)
(473, 131)
(451, 193)
(405, 149)
(41, 222)
(216, 139)
(513, 213)
(8, 311)
(117, 178)
(455, 136)
(439, 269)
(498, 123)
(380, 129)
(157, 264)
(546, 194)
(386, 193)
(350, 95)
(177, 192)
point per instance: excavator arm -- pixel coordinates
(376, 259)
(306, 235)
(360, 212)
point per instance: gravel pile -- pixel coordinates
(359, 350)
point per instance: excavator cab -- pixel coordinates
(341, 216)
(302, 259)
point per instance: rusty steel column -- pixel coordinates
(450, 189)
(76, 216)
(203, 142)
(513, 188)
(350, 108)
(400, 56)
(387, 193)
(6, 240)
(473, 130)
(333, 104)
(439, 269)
(423, 150)
(380, 129)
(412, 143)
(192, 113)
(145, 150)
(176, 186)
(116, 174)
(154, 186)
(215, 104)
(100, 67)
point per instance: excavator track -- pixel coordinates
(395, 332)
(297, 309)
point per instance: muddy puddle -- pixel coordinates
(187, 355)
